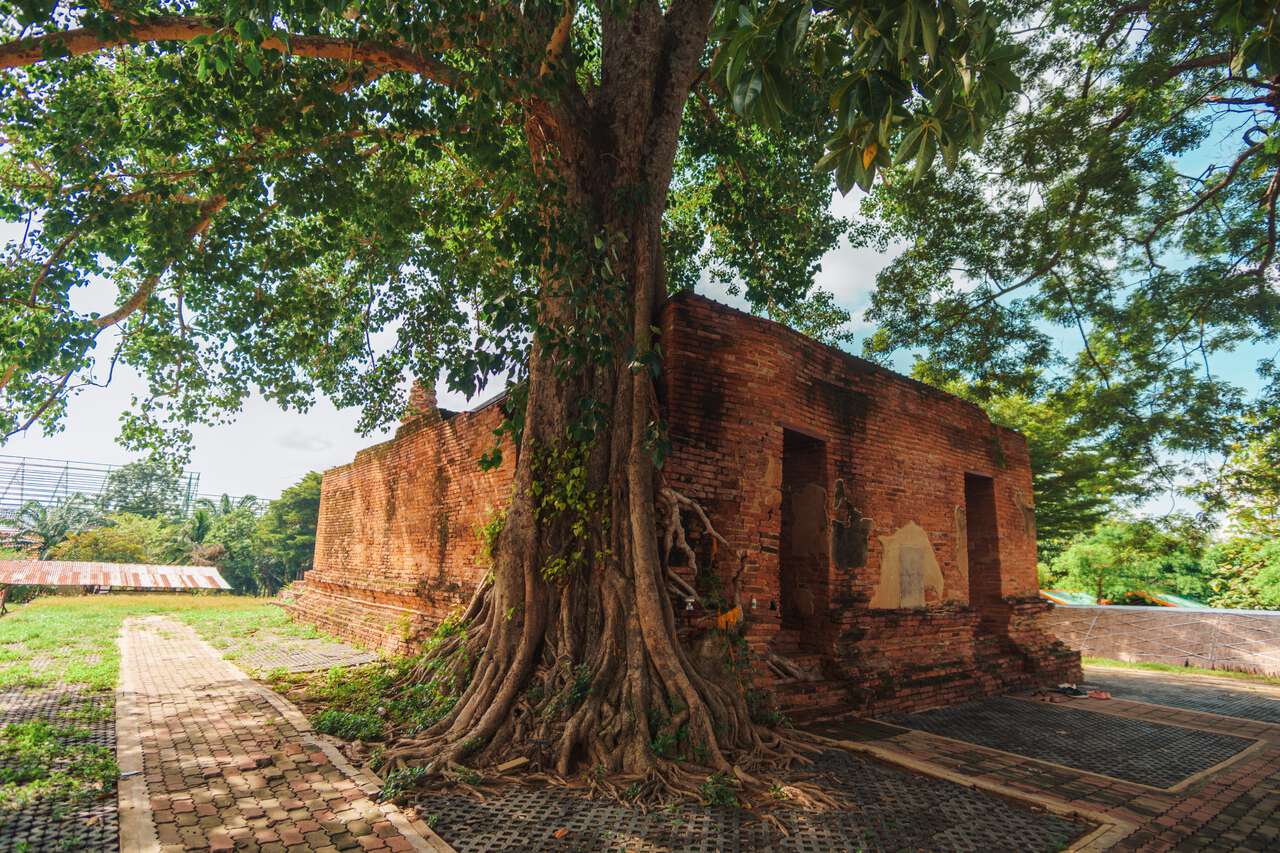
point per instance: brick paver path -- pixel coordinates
(1214, 695)
(229, 765)
(1235, 806)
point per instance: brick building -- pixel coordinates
(882, 531)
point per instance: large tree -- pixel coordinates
(1122, 248)
(303, 196)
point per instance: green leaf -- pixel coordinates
(746, 92)
(929, 29)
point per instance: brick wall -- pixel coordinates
(898, 452)
(396, 546)
(1236, 640)
(397, 550)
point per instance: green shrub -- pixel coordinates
(719, 790)
(347, 725)
(402, 781)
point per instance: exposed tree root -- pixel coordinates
(592, 710)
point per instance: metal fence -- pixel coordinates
(49, 481)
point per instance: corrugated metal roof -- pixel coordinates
(1058, 596)
(119, 575)
(1084, 599)
(1180, 601)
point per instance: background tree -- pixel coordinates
(286, 534)
(1120, 230)
(237, 557)
(123, 538)
(1120, 557)
(52, 524)
(150, 487)
(492, 185)
(1244, 572)
(226, 504)
(1246, 489)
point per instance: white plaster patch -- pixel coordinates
(909, 571)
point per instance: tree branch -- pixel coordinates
(1208, 61)
(44, 407)
(1207, 194)
(148, 286)
(77, 42)
(558, 44)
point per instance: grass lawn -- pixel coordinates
(236, 631)
(53, 764)
(1183, 670)
(72, 639)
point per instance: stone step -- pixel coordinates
(810, 698)
(808, 661)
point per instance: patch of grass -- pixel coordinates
(96, 713)
(347, 725)
(407, 694)
(235, 630)
(719, 790)
(467, 776)
(72, 639)
(39, 760)
(1183, 670)
(400, 782)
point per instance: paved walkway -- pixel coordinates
(1230, 697)
(213, 761)
(1233, 805)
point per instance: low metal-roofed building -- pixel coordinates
(115, 575)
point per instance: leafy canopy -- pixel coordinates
(1123, 557)
(320, 197)
(149, 487)
(1112, 246)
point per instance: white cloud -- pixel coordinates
(306, 442)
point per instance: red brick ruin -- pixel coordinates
(881, 532)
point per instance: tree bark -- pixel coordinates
(605, 637)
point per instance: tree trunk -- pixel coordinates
(577, 664)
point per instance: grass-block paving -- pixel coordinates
(66, 737)
(1134, 750)
(884, 809)
(1242, 701)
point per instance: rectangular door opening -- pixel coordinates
(983, 538)
(804, 545)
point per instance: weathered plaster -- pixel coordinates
(909, 573)
(1028, 511)
(962, 545)
(849, 533)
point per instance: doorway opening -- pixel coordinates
(983, 539)
(804, 543)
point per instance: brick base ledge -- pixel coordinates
(362, 621)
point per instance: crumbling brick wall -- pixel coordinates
(746, 402)
(897, 455)
(397, 546)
